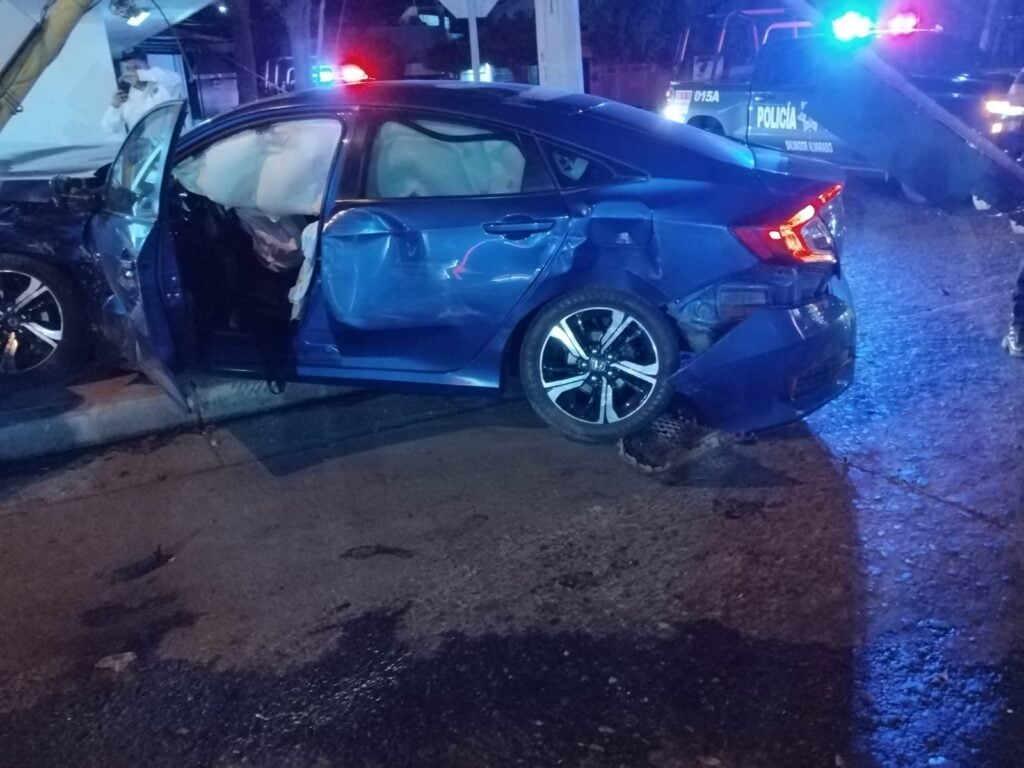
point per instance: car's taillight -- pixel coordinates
(805, 236)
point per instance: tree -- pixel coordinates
(509, 41)
(245, 54)
(297, 16)
(642, 30)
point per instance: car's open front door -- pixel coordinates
(128, 233)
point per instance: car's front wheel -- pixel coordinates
(43, 326)
(595, 364)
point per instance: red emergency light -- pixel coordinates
(353, 73)
(905, 23)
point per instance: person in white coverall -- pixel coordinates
(143, 88)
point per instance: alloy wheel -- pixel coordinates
(599, 365)
(31, 322)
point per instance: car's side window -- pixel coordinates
(426, 157)
(574, 170)
(278, 169)
(787, 64)
(133, 182)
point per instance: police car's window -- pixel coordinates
(435, 158)
(574, 170)
(787, 64)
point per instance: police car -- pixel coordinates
(755, 84)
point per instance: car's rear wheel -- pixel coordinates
(595, 364)
(43, 325)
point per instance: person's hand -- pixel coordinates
(120, 97)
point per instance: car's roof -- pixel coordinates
(522, 105)
(610, 128)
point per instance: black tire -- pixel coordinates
(643, 338)
(58, 307)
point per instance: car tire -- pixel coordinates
(596, 364)
(57, 312)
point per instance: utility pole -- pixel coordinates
(36, 54)
(559, 46)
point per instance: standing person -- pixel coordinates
(1013, 342)
(142, 88)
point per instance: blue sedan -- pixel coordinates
(453, 236)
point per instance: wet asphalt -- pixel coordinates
(394, 581)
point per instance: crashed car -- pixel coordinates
(440, 235)
(51, 288)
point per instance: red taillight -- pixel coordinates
(803, 236)
(353, 73)
(904, 23)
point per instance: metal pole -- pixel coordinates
(989, 24)
(1002, 167)
(37, 53)
(320, 33)
(474, 41)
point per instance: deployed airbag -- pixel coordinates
(279, 170)
(275, 242)
(436, 159)
(297, 295)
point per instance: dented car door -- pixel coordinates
(454, 224)
(127, 236)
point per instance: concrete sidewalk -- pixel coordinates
(54, 420)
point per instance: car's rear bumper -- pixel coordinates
(777, 366)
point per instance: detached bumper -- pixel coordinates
(777, 366)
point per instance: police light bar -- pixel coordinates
(852, 25)
(353, 73)
(904, 23)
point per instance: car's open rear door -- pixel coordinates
(129, 232)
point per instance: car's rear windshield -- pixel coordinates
(654, 125)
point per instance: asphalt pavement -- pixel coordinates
(390, 580)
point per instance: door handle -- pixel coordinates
(760, 99)
(520, 228)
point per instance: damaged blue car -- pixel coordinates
(451, 236)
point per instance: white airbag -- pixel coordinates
(281, 170)
(297, 294)
(409, 163)
(275, 242)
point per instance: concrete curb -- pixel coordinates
(88, 415)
